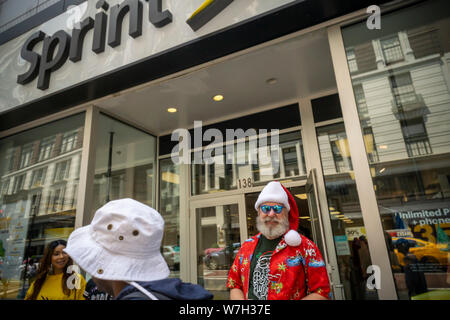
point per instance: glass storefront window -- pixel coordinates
(169, 207)
(236, 170)
(349, 233)
(407, 109)
(124, 164)
(35, 208)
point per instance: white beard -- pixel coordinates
(272, 232)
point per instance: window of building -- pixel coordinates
(129, 170)
(25, 155)
(69, 141)
(361, 101)
(402, 89)
(46, 148)
(369, 141)
(425, 41)
(290, 163)
(335, 150)
(5, 186)
(73, 200)
(33, 210)
(62, 170)
(56, 199)
(345, 212)
(411, 112)
(19, 183)
(392, 49)
(351, 59)
(35, 203)
(38, 177)
(169, 207)
(411, 130)
(251, 162)
(9, 159)
(416, 137)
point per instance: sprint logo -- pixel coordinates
(62, 46)
(206, 12)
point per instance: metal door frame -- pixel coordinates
(314, 161)
(312, 187)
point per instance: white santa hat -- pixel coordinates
(275, 192)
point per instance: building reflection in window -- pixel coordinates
(232, 170)
(407, 101)
(37, 201)
(124, 164)
(345, 212)
(169, 207)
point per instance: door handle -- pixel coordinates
(330, 268)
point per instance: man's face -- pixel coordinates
(271, 224)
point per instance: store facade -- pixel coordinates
(355, 121)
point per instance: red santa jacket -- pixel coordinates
(294, 272)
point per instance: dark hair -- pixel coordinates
(44, 268)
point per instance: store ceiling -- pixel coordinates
(302, 67)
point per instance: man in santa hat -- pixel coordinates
(278, 263)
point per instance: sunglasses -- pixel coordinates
(276, 208)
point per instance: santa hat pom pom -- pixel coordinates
(293, 238)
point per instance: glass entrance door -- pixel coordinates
(218, 228)
(318, 233)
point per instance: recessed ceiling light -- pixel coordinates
(271, 81)
(383, 146)
(382, 170)
(172, 110)
(218, 97)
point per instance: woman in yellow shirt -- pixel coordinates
(54, 281)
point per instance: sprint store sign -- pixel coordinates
(97, 37)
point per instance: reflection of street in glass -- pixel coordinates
(216, 264)
(217, 258)
(172, 257)
(9, 289)
(432, 256)
(215, 280)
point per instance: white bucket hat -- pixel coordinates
(122, 243)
